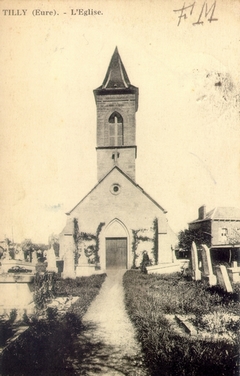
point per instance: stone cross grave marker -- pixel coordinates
(196, 273)
(207, 266)
(223, 278)
(234, 272)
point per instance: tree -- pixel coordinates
(8, 243)
(9, 247)
(234, 240)
(28, 248)
(186, 238)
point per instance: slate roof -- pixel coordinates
(221, 213)
(126, 176)
(116, 80)
(116, 76)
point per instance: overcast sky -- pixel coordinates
(188, 128)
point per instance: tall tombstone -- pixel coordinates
(68, 257)
(51, 260)
(207, 266)
(34, 257)
(196, 273)
(223, 278)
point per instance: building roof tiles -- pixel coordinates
(221, 213)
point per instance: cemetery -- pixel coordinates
(186, 327)
(36, 304)
(187, 322)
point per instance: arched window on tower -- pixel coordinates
(115, 129)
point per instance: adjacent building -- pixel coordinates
(222, 224)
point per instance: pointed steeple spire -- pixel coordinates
(116, 76)
(116, 80)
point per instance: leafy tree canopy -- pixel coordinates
(186, 238)
(28, 246)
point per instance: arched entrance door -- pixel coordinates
(116, 246)
(116, 253)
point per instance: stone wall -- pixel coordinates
(126, 106)
(125, 161)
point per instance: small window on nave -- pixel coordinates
(115, 129)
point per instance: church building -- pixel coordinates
(117, 220)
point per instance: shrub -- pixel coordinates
(44, 288)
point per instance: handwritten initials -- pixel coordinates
(205, 12)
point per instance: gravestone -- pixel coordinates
(16, 293)
(19, 255)
(51, 260)
(68, 257)
(223, 278)
(16, 281)
(207, 266)
(174, 259)
(234, 272)
(196, 273)
(34, 257)
(9, 264)
(84, 268)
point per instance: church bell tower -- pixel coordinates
(117, 103)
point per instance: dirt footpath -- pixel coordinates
(108, 342)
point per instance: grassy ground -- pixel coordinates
(86, 288)
(149, 297)
(46, 347)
